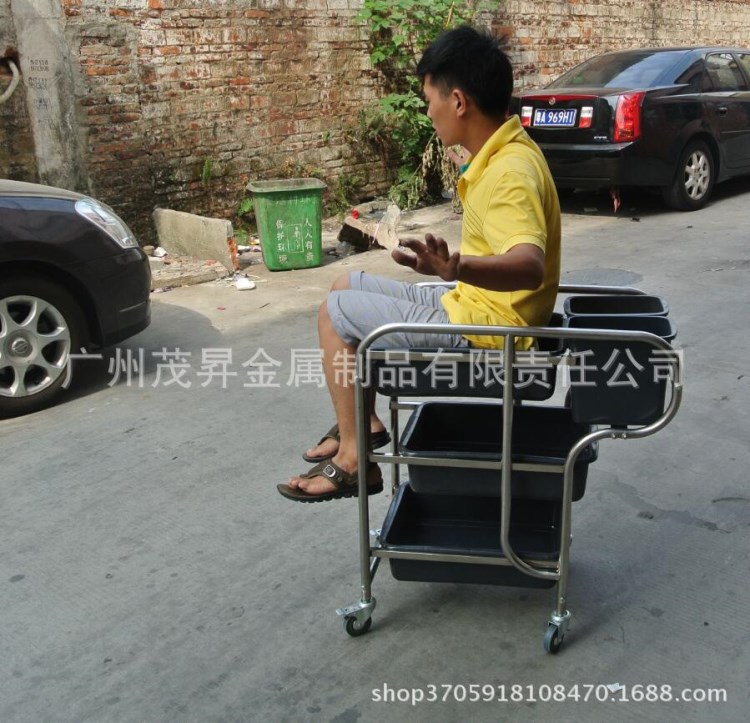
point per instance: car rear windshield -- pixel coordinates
(638, 69)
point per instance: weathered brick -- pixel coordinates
(168, 50)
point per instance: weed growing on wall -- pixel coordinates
(341, 194)
(396, 127)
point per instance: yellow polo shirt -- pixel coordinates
(509, 198)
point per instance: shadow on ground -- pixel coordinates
(638, 202)
(164, 342)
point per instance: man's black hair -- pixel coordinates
(471, 60)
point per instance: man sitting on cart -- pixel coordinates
(507, 269)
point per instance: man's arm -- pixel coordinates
(520, 268)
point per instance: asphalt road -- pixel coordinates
(150, 571)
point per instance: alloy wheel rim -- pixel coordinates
(697, 175)
(35, 345)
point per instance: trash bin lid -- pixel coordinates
(285, 185)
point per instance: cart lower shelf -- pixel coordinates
(470, 526)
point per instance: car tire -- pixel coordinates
(694, 178)
(40, 326)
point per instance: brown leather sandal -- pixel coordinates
(377, 439)
(346, 483)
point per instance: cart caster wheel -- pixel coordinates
(355, 628)
(552, 640)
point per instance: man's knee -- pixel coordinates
(341, 283)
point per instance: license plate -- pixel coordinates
(565, 117)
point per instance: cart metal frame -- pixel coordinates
(358, 615)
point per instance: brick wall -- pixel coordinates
(184, 101)
(547, 37)
(178, 103)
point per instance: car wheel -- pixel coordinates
(40, 325)
(694, 178)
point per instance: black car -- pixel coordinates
(677, 119)
(72, 278)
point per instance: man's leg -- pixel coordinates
(346, 316)
(329, 447)
(342, 397)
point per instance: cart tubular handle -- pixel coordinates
(562, 288)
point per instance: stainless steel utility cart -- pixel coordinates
(495, 467)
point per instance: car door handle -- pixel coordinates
(722, 110)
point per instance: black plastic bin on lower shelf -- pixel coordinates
(473, 431)
(617, 304)
(468, 526)
(615, 382)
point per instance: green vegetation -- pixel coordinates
(207, 172)
(396, 127)
(342, 194)
(246, 206)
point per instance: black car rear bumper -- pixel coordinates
(600, 166)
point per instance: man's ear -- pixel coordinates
(460, 101)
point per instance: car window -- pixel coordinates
(744, 59)
(638, 69)
(692, 78)
(724, 73)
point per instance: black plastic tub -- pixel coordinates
(473, 431)
(468, 526)
(660, 325)
(618, 304)
(616, 382)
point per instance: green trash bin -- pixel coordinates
(289, 213)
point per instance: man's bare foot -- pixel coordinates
(327, 448)
(313, 486)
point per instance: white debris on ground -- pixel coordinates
(244, 284)
(241, 281)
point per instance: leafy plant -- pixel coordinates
(207, 171)
(401, 29)
(244, 221)
(397, 127)
(246, 206)
(343, 194)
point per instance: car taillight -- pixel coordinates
(628, 117)
(526, 116)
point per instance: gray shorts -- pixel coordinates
(375, 300)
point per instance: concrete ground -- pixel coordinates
(150, 571)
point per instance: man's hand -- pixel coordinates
(432, 257)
